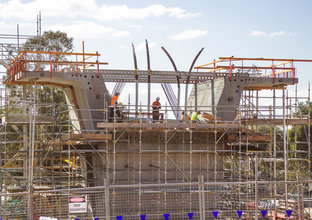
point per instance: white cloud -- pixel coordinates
(291, 33)
(3, 25)
(190, 34)
(123, 12)
(86, 9)
(180, 13)
(88, 30)
(138, 28)
(25, 28)
(257, 33)
(279, 33)
(142, 46)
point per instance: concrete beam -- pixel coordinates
(227, 93)
(85, 93)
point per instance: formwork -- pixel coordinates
(132, 166)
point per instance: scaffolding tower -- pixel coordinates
(134, 166)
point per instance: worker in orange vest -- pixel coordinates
(113, 107)
(156, 106)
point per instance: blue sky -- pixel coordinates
(241, 28)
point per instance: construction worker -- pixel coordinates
(183, 117)
(194, 116)
(156, 106)
(113, 107)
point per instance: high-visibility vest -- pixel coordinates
(156, 105)
(194, 116)
(114, 101)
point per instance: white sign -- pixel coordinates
(46, 218)
(77, 204)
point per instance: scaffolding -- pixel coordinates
(134, 166)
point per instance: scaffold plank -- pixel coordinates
(24, 119)
(220, 126)
(291, 121)
(86, 136)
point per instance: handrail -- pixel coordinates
(22, 62)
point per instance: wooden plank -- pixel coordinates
(292, 121)
(173, 125)
(244, 148)
(81, 137)
(161, 115)
(211, 117)
(251, 138)
(24, 119)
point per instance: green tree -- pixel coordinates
(50, 41)
(299, 139)
(20, 100)
(300, 132)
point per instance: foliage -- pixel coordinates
(299, 132)
(49, 102)
(299, 139)
(265, 171)
(50, 41)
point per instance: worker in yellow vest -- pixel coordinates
(194, 116)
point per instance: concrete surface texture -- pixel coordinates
(86, 94)
(225, 93)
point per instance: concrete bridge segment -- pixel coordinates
(84, 92)
(225, 93)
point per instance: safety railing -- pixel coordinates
(52, 62)
(266, 67)
(194, 200)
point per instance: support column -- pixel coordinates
(298, 198)
(195, 91)
(212, 97)
(201, 195)
(136, 93)
(285, 150)
(274, 153)
(309, 127)
(178, 101)
(107, 203)
(31, 152)
(256, 186)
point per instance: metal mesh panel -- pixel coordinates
(154, 201)
(176, 199)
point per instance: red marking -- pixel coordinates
(77, 199)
